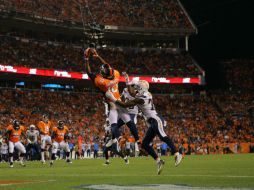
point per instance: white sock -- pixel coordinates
(158, 160)
(42, 157)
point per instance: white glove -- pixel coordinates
(28, 140)
(126, 76)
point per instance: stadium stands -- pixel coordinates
(143, 13)
(53, 55)
(203, 124)
(239, 73)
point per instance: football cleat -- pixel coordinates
(178, 159)
(11, 165)
(43, 162)
(51, 163)
(126, 160)
(23, 164)
(160, 165)
(106, 163)
(68, 161)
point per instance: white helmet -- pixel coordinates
(32, 127)
(141, 86)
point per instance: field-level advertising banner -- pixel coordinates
(84, 76)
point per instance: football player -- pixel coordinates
(131, 111)
(60, 136)
(107, 80)
(144, 100)
(44, 127)
(13, 134)
(32, 138)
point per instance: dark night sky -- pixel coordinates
(225, 30)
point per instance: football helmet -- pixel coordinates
(16, 124)
(60, 124)
(141, 86)
(32, 127)
(45, 118)
(107, 71)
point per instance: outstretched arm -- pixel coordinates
(87, 63)
(127, 81)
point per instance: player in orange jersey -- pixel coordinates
(60, 136)
(13, 134)
(107, 80)
(44, 127)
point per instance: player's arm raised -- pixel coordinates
(87, 55)
(127, 81)
(87, 62)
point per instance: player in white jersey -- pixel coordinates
(130, 112)
(125, 116)
(32, 138)
(133, 111)
(3, 150)
(144, 100)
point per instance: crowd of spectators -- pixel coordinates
(69, 57)
(239, 73)
(142, 13)
(203, 124)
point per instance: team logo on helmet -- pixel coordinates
(106, 71)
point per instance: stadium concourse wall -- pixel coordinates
(83, 76)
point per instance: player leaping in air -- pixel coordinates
(144, 100)
(107, 80)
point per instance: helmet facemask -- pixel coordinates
(107, 72)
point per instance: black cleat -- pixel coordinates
(126, 160)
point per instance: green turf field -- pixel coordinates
(235, 171)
